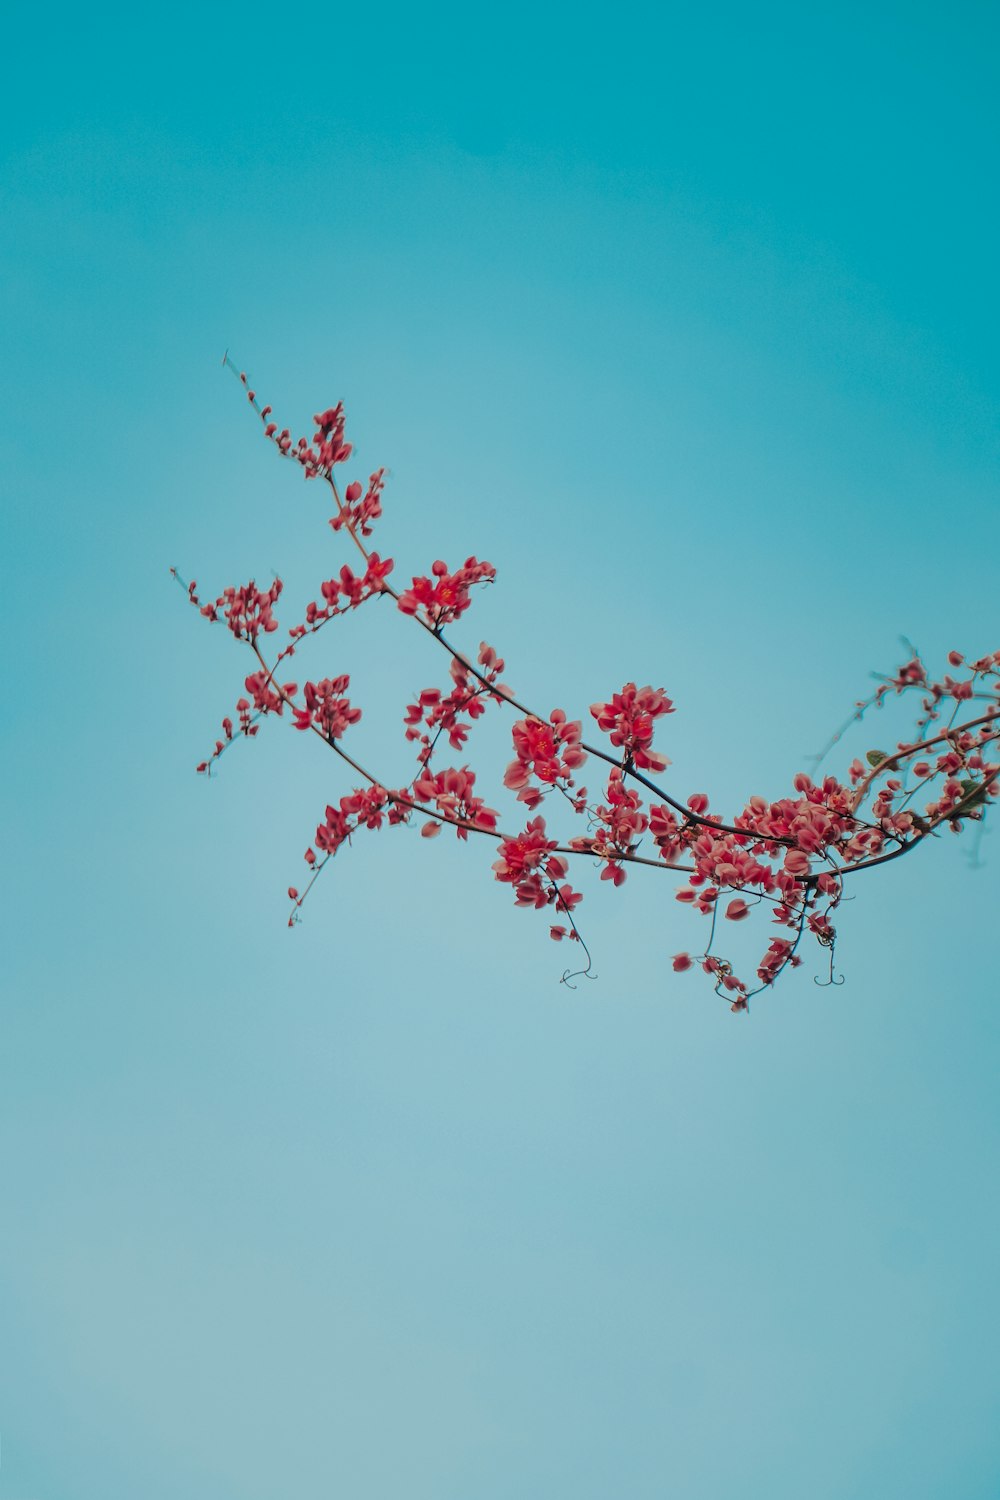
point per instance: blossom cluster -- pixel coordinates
(327, 448)
(629, 718)
(361, 507)
(365, 807)
(246, 609)
(451, 793)
(327, 707)
(548, 752)
(618, 827)
(444, 596)
(350, 588)
(528, 863)
(435, 713)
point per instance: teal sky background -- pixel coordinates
(688, 323)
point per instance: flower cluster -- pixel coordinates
(246, 610)
(444, 596)
(435, 713)
(529, 864)
(329, 439)
(267, 699)
(327, 707)
(629, 718)
(620, 825)
(670, 832)
(328, 446)
(348, 586)
(549, 752)
(365, 807)
(820, 817)
(360, 507)
(451, 792)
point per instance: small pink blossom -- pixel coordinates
(445, 596)
(327, 707)
(549, 753)
(629, 719)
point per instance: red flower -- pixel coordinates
(519, 856)
(447, 596)
(628, 718)
(327, 708)
(549, 752)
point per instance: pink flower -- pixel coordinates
(628, 718)
(549, 752)
(447, 596)
(247, 610)
(452, 793)
(327, 707)
(521, 855)
(358, 514)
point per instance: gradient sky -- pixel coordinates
(688, 323)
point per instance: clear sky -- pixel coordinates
(688, 323)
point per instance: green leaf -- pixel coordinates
(876, 757)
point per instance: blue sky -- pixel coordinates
(689, 325)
